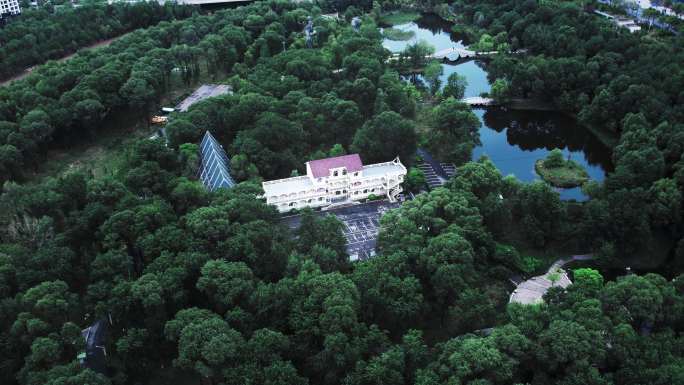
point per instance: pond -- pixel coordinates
(513, 140)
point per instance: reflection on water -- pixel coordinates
(532, 130)
(514, 140)
(429, 28)
(471, 70)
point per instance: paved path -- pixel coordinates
(203, 92)
(532, 291)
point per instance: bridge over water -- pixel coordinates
(186, 2)
(478, 101)
(455, 53)
(203, 2)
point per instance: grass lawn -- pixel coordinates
(102, 152)
(397, 34)
(569, 175)
(399, 17)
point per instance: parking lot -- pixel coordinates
(361, 226)
(203, 92)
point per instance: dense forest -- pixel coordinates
(211, 287)
(46, 33)
(627, 84)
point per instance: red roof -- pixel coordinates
(321, 167)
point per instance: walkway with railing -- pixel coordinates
(478, 101)
(455, 53)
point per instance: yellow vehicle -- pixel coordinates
(159, 119)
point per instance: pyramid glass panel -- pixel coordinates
(214, 168)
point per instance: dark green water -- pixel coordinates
(514, 140)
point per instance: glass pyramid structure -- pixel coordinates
(214, 170)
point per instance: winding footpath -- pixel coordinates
(532, 291)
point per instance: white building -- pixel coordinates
(623, 22)
(9, 7)
(630, 24)
(336, 180)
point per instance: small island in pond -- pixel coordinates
(559, 172)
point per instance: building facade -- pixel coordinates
(336, 180)
(9, 7)
(624, 22)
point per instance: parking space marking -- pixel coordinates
(361, 224)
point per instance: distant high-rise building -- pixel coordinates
(9, 7)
